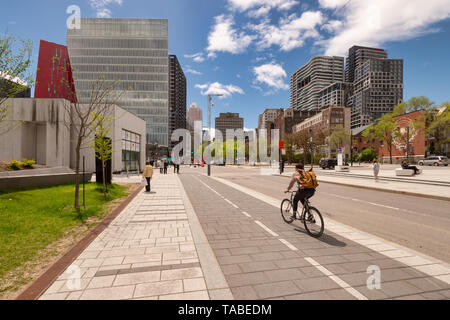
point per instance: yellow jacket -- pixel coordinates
(148, 171)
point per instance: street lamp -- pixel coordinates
(210, 104)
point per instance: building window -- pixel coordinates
(131, 151)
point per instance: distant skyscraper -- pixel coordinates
(177, 97)
(228, 121)
(378, 88)
(134, 51)
(269, 115)
(194, 113)
(54, 73)
(309, 80)
(357, 55)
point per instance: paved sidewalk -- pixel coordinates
(148, 252)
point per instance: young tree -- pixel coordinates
(14, 75)
(102, 144)
(339, 137)
(383, 129)
(82, 119)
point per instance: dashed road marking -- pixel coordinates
(259, 223)
(336, 279)
(288, 244)
(246, 214)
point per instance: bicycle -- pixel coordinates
(314, 224)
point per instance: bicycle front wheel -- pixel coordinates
(286, 211)
(313, 222)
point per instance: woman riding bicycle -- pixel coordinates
(299, 177)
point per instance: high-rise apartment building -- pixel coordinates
(228, 121)
(194, 113)
(135, 51)
(309, 80)
(54, 73)
(177, 97)
(357, 56)
(336, 95)
(378, 88)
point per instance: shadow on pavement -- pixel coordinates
(326, 238)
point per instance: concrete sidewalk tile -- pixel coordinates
(399, 288)
(445, 278)
(158, 288)
(164, 249)
(142, 258)
(220, 294)
(74, 295)
(319, 295)
(181, 274)
(316, 284)
(198, 295)
(276, 289)
(88, 263)
(266, 256)
(244, 293)
(397, 254)
(434, 270)
(196, 284)
(375, 294)
(54, 296)
(414, 261)
(258, 266)
(292, 263)
(101, 282)
(112, 261)
(56, 286)
(231, 269)
(233, 259)
(433, 296)
(284, 275)
(428, 284)
(137, 278)
(112, 293)
(341, 294)
(244, 279)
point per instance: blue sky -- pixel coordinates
(247, 49)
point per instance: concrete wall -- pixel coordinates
(43, 134)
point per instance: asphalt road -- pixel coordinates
(414, 222)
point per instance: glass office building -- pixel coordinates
(134, 51)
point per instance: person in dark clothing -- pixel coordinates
(178, 168)
(406, 166)
(166, 164)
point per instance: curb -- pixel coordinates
(35, 290)
(407, 193)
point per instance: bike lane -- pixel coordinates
(264, 258)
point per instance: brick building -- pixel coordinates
(417, 141)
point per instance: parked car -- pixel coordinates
(434, 161)
(328, 163)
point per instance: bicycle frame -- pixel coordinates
(305, 206)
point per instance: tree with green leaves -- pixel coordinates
(102, 144)
(15, 77)
(383, 129)
(419, 103)
(339, 137)
(438, 128)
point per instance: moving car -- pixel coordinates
(434, 161)
(328, 163)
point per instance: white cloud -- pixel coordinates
(224, 38)
(244, 5)
(272, 75)
(291, 32)
(190, 70)
(373, 23)
(101, 7)
(218, 88)
(197, 57)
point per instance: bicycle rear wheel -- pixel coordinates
(286, 211)
(313, 222)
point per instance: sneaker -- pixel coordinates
(294, 216)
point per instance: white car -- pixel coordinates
(434, 161)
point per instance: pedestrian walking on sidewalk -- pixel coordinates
(376, 169)
(166, 165)
(148, 174)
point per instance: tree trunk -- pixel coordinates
(104, 177)
(390, 153)
(77, 175)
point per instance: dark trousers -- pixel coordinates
(416, 170)
(165, 170)
(148, 187)
(301, 195)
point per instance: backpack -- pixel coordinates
(308, 179)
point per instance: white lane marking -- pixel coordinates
(288, 244)
(246, 214)
(336, 279)
(228, 201)
(342, 230)
(259, 223)
(235, 206)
